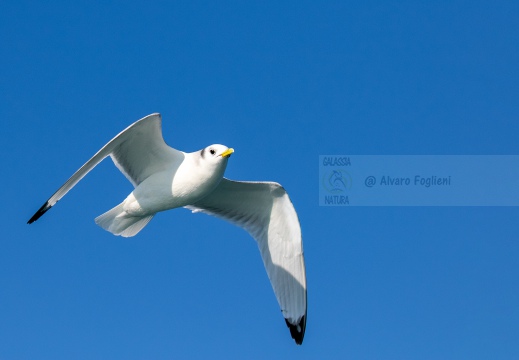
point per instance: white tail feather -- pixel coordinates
(118, 222)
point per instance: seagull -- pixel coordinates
(165, 178)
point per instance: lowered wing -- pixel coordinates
(266, 212)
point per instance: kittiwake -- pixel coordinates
(165, 178)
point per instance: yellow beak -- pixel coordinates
(227, 152)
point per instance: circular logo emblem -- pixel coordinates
(336, 181)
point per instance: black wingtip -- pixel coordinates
(298, 330)
(39, 213)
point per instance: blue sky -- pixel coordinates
(282, 83)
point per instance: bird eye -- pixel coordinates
(212, 151)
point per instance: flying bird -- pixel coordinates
(165, 178)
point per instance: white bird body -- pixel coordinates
(165, 178)
(176, 186)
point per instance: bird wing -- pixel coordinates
(138, 151)
(265, 211)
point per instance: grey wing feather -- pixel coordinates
(266, 212)
(138, 151)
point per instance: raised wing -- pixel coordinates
(266, 212)
(138, 151)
